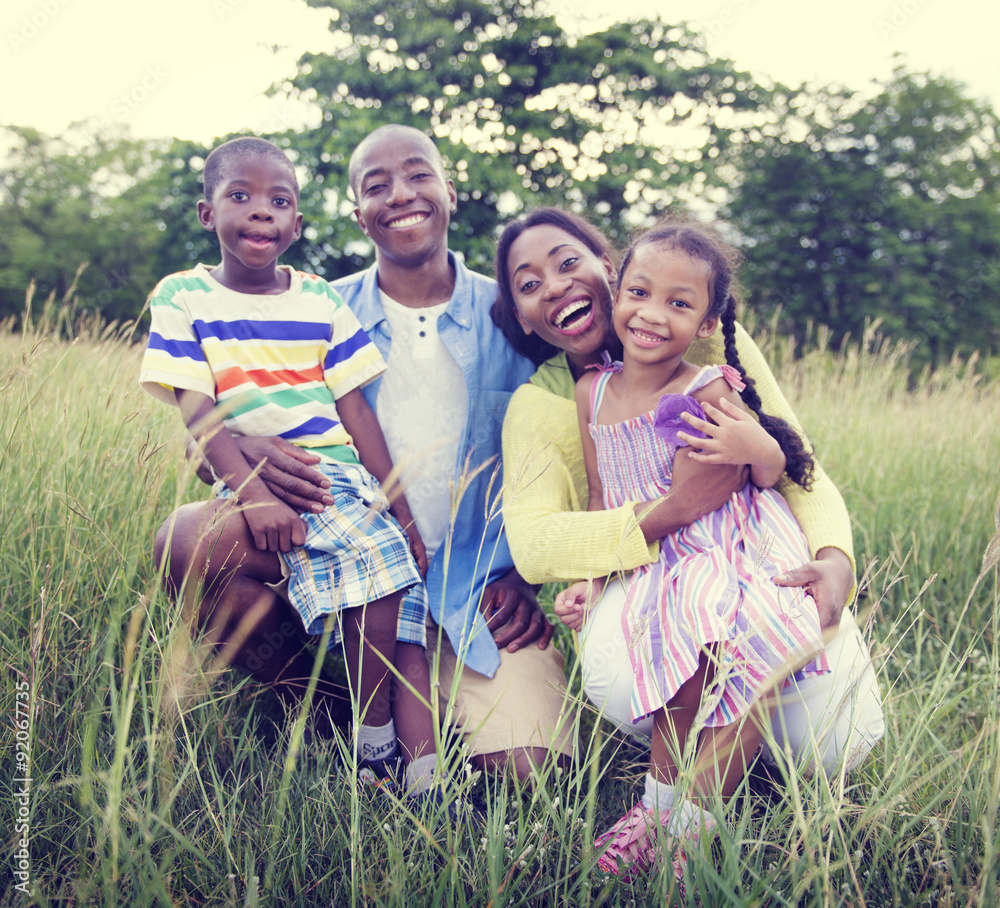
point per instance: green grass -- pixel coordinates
(155, 781)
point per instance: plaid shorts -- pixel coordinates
(355, 553)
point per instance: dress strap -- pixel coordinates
(597, 392)
(708, 374)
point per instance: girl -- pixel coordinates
(709, 632)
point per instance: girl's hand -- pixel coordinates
(573, 603)
(275, 527)
(735, 437)
(829, 580)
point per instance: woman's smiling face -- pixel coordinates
(561, 290)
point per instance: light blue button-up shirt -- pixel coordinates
(475, 553)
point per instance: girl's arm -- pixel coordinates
(734, 436)
(274, 525)
(364, 428)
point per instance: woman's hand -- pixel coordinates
(829, 580)
(286, 472)
(573, 603)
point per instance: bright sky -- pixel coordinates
(200, 68)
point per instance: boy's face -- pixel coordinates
(254, 212)
(404, 199)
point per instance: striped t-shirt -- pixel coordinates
(274, 365)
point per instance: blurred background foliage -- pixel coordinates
(849, 207)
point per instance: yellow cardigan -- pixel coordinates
(551, 535)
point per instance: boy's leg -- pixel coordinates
(370, 650)
(207, 548)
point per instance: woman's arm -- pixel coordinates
(551, 536)
(820, 511)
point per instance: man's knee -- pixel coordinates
(172, 551)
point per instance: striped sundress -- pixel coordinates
(712, 583)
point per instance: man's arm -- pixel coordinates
(284, 468)
(513, 615)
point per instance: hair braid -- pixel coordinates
(799, 462)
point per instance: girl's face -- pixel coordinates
(561, 290)
(662, 304)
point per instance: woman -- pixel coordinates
(554, 273)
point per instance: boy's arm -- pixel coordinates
(364, 428)
(274, 525)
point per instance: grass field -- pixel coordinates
(156, 781)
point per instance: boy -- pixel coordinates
(269, 351)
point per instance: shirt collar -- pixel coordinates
(370, 312)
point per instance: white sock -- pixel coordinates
(420, 775)
(377, 742)
(658, 795)
(688, 818)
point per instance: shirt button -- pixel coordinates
(423, 318)
(423, 333)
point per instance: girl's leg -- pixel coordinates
(206, 550)
(672, 725)
(722, 758)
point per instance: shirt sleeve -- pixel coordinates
(550, 537)
(173, 357)
(352, 360)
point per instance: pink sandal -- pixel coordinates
(632, 846)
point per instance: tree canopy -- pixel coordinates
(619, 123)
(887, 207)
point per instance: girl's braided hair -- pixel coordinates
(704, 243)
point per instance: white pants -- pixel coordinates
(835, 718)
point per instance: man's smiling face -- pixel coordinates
(404, 199)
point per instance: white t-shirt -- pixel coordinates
(422, 405)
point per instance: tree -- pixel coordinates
(524, 113)
(65, 205)
(887, 207)
(125, 208)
